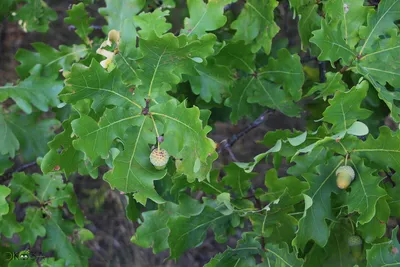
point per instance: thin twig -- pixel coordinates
(24, 166)
(228, 143)
(8, 175)
(225, 145)
(322, 71)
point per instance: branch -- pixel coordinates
(228, 143)
(95, 27)
(7, 175)
(322, 71)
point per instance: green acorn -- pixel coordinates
(355, 244)
(159, 158)
(354, 241)
(345, 175)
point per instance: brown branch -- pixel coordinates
(7, 175)
(227, 144)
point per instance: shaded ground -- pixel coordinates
(104, 207)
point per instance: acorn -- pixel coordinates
(159, 158)
(345, 175)
(354, 241)
(355, 244)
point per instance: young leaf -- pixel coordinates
(132, 170)
(9, 144)
(256, 25)
(380, 62)
(282, 256)
(78, 17)
(213, 81)
(276, 226)
(95, 83)
(306, 163)
(286, 70)
(33, 226)
(51, 60)
(166, 58)
(394, 194)
(309, 21)
(47, 186)
(22, 187)
(35, 15)
(318, 208)
(37, 91)
(332, 85)
(185, 138)
(333, 47)
(278, 187)
(153, 232)
(238, 179)
(4, 192)
(270, 95)
(365, 192)
(62, 154)
(352, 14)
(256, 90)
(205, 17)
(190, 232)
(236, 55)
(376, 228)
(31, 133)
(8, 223)
(95, 138)
(116, 12)
(5, 163)
(242, 255)
(344, 109)
(152, 22)
(383, 151)
(380, 22)
(58, 234)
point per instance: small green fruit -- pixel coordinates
(355, 244)
(345, 175)
(159, 158)
(354, 241)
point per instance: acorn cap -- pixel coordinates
(354, 240)
(345, 175)
(347, 170)
(159, 158)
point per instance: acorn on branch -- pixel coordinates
(345, 175)
(159, 158)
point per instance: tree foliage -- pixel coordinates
(147, 85)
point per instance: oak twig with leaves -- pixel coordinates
(143, 100)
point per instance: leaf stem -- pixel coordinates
(157, 134)
(344, 148)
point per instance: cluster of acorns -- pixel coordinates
(345, 174)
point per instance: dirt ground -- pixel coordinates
(104, 207)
